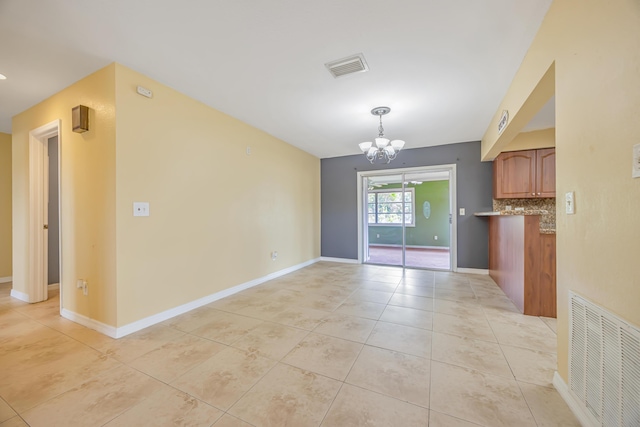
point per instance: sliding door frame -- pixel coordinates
(363, 217)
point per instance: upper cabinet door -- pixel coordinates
(546, 172)
(514, 175)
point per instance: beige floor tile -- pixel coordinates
(480, 355)
(226, 328)
(455, 295)
(470, 327)
(378, 286)
(418, 281)
(548, 407)
(499, 302)
(168, 407)
(299, 317)
(193, 319)
(488, 400)
(418, 291)
(168, 362)
(307, 299)
(287, 396)
(225, 377)
(5, 411)
(14, 422)
(365, 309)
(135, 345)
(533, 336)
(405, 339)
(408, 317)
(265, 309)
(394, 374)
(26, 334)
(49, 370)
(231, 421)
(346, 327)
(436, 419)
(324, 355)
(458, 308)
(323, 289)
(412, 301)
(508, 316)
(231, 303)
(355, 406)
(321, 302)
(271, 340)
(371, 296)
(456, 286)
(95, 402)
(531, 366)
(551, 323)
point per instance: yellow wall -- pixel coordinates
(533, 140)
(216, 213)
(5, 205)
(87, 194)
(595, 45)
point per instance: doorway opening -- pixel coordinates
(406, 217)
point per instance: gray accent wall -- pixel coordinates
(339, 208)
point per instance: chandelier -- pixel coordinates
(384, 150)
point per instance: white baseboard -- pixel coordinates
(19, 295)
(181, 309)
(472, 270)
(576, 407)
(105, 329)
(53, 286)
(342, 260)
(6, 279)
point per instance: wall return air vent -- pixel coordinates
(349, 65)
(604, 365)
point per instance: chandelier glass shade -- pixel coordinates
(382, 149)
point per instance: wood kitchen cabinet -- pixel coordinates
(525, 174)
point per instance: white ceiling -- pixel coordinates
(443, 66)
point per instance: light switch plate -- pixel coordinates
(570, 203)
(463, 211)
(635, 172)
(140, 208)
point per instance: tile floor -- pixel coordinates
(329, 345)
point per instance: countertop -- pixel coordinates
(544, 228)
(513, 212)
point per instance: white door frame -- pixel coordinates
(37, 286)
(451, 168)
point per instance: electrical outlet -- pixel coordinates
(79, 283)
(435, 237)
(274, 255)
(140, 208)
(85, 288)
(463, 211)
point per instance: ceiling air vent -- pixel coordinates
(349, 65)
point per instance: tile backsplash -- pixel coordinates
(548, 204)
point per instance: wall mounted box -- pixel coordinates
(80, 118)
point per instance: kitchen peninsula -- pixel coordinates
(522, 259)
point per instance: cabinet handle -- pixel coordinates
(538, 194)
(533, 194)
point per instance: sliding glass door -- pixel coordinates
(407, 219)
